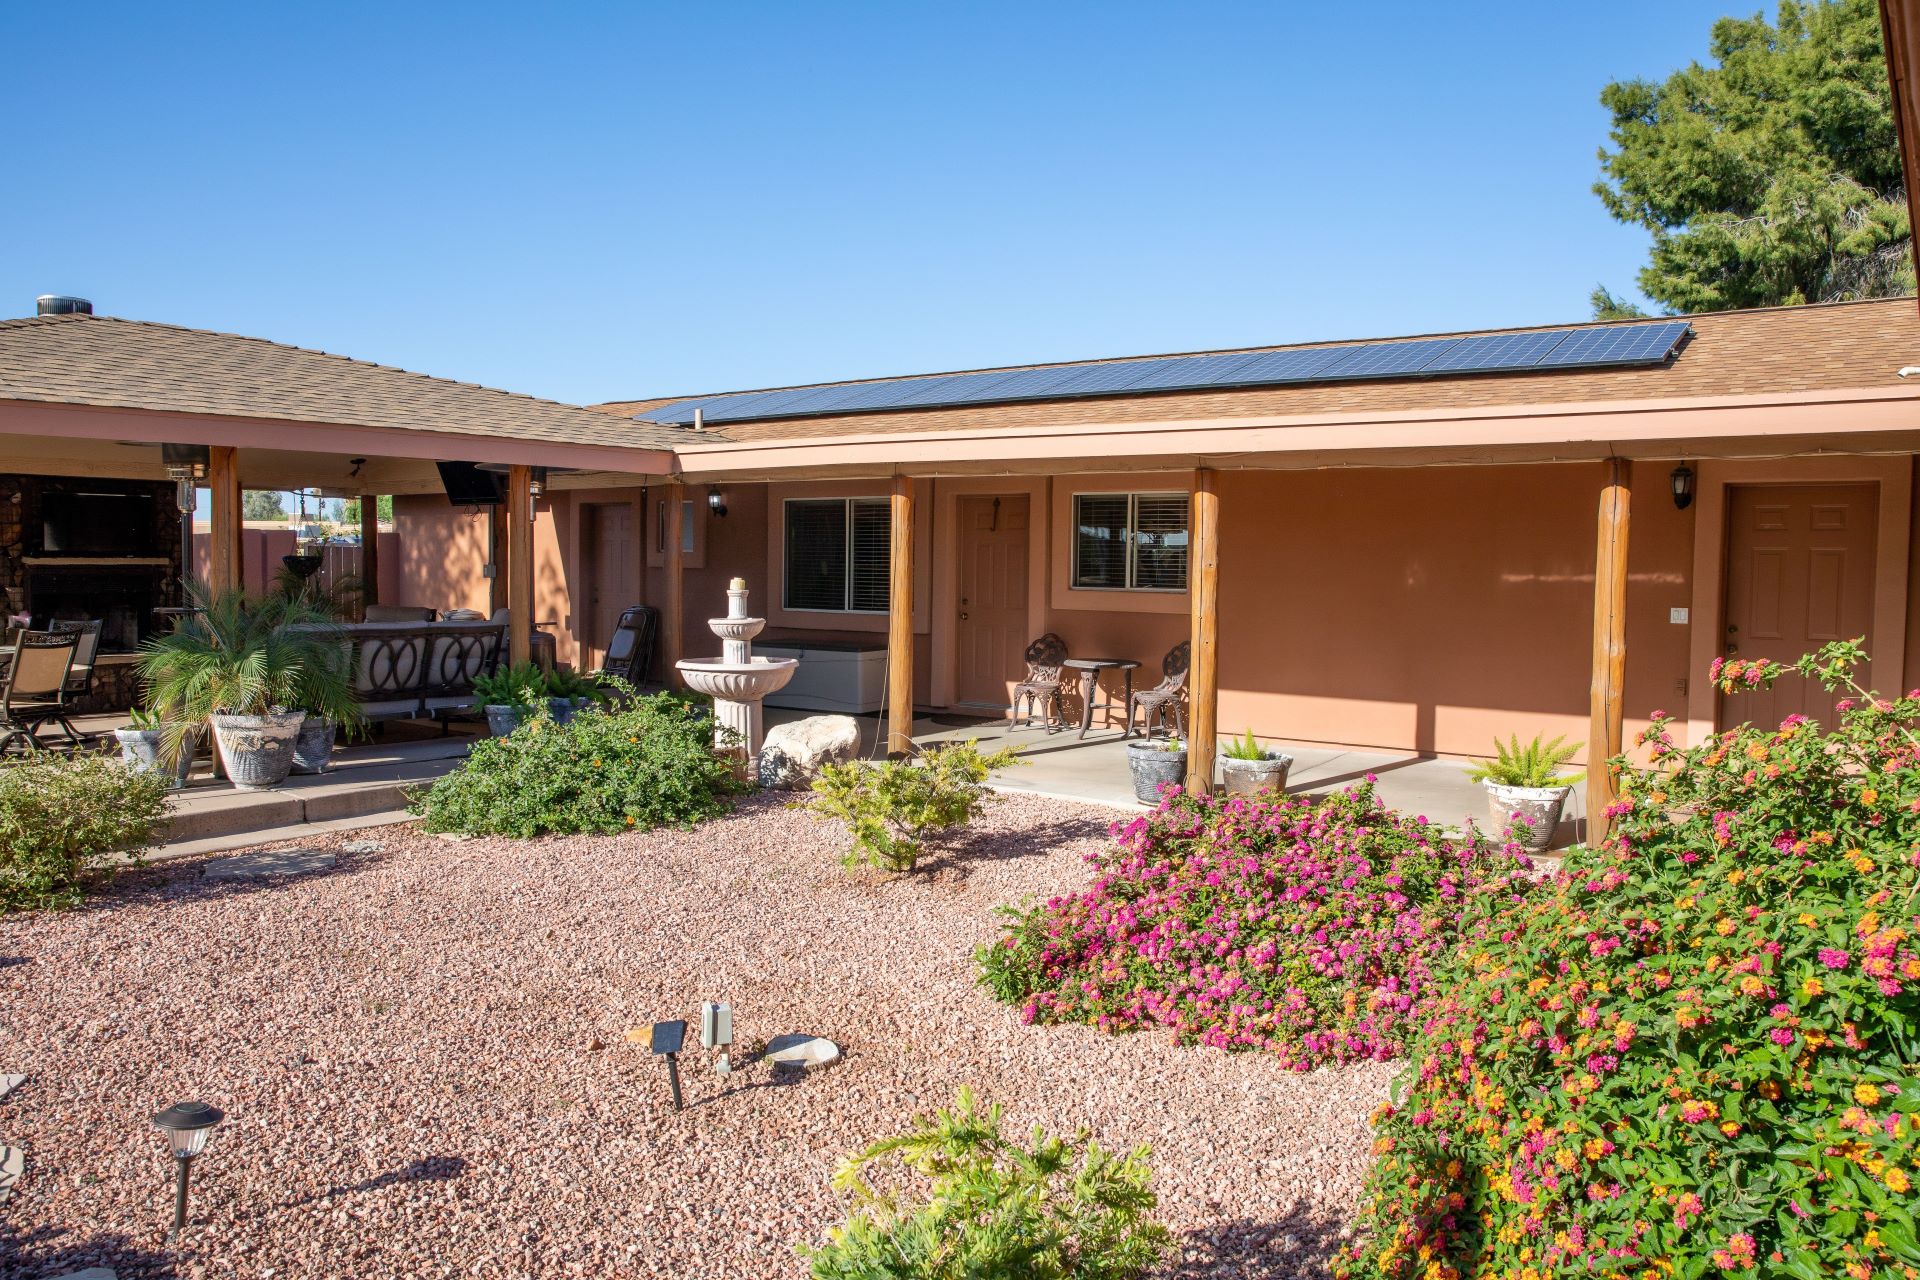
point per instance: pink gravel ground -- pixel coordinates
(421, 1056)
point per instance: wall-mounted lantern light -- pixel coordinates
(537, 483)
(1682, 479)
(187, 1125)
(716, 501)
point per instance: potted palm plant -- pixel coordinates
(142, 748)
(1526, 791)
(1154, 764)
(1246, 767)
(254, 669)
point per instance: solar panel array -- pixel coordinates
(1593, 346)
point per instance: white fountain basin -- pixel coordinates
(736, 628)
(747, 681)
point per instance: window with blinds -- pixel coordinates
(837, 554)
(1130, 541)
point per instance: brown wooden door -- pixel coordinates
(1799, 573)
(607, 559)
(991, 628)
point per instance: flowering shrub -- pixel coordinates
(59, 812)
(1696, 1055)
(1302, 927)
(650, 763)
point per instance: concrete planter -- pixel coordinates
(563, 710)
(1153, 767)
(140, 751)
(503, 720)
(313, 748)
(258, 750)
(1249, 777)
(1539, 807)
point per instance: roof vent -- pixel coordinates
(58, 304)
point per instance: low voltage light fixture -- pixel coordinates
(716, 501)
(187, 1125)
(537, 483)
(716, 1032)
(1682, 478)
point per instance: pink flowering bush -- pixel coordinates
(1302, 927)
(1699, 1053)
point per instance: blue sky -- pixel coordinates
(597, 201)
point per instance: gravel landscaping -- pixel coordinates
(421, 1053)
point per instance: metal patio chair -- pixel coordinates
(1164, 698)
(630, 649)
(79, 683)
(42, 660)
(1041, 685)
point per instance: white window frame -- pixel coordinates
(1132, 546)
(847, 503)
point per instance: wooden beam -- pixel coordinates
(673, 605)
(519, 565)
(1607, 727)
(223, 543)
(900, 620)
(1203, 669)
(369, 549)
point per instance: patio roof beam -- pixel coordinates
(1607, 726)
(519, 564)
(900, 620)
(1203, 664)
(673, 611)
(223, 480)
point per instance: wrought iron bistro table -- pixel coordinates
(1090, 669)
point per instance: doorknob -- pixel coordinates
(963, 615)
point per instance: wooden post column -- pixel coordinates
(223, 544)
(673, 605)
(369, 549)
(1606, 730)
(900, 620)
(1203, 668)
(519, 565)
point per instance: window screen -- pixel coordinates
(1130, 541)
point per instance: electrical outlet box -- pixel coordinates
(1677, 616)
(716, 1025)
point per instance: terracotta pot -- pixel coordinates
(1154, 767)
(1248, 777)
(258, 750)
(1538, 807)
(313, 749)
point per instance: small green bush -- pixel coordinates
(893, 809)
(1058, 1210)
(58, 812)
(648, 764)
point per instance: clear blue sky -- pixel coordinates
(595, 201)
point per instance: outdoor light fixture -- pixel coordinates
(537, 483)
(187, 465)
(188, 1125)
(666, 1041)
(716, 501)
(1682, 479)
(716, 1032)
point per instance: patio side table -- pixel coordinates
(1090, 669)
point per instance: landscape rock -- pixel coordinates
(269, 862)
(794, 752)
(9, 1083)
(13, 1162)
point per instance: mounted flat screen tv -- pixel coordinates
(468, 486)
(96, 522)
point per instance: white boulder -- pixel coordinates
(794, 752)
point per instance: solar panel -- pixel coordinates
(1542, 349)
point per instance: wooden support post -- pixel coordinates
(673, 605)
(1203, 667)
(223, 544)
(900, 620)
(1606, 730)
(369, 549)
(519, 565)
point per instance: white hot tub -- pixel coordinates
(844, 676)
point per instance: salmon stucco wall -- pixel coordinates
(443, 555)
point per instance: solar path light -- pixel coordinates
(666, 1041)
(187, 1125)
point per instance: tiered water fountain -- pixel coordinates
(737, 681)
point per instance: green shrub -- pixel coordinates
(1538, 764)
(57, 812)
(1058, 1210)
(1699, 1053)
(648, 764)
(894, 808)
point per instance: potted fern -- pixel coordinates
(1526, 790)
(509, 695)
(1247, 768)
(254, 669)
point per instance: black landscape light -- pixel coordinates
(1682, 478)
(188, 1125)
(666, 1041)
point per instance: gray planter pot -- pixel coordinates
(502, 721)
(313, 748)
(140, 751)
(563, 710)
(1248, 777)
(258, 750)
(1540, 807)
(1152, 768)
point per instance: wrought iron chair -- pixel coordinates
(1164, 698)
(630, 650)
(30, 698)
(79, 683)
(1041, 685)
